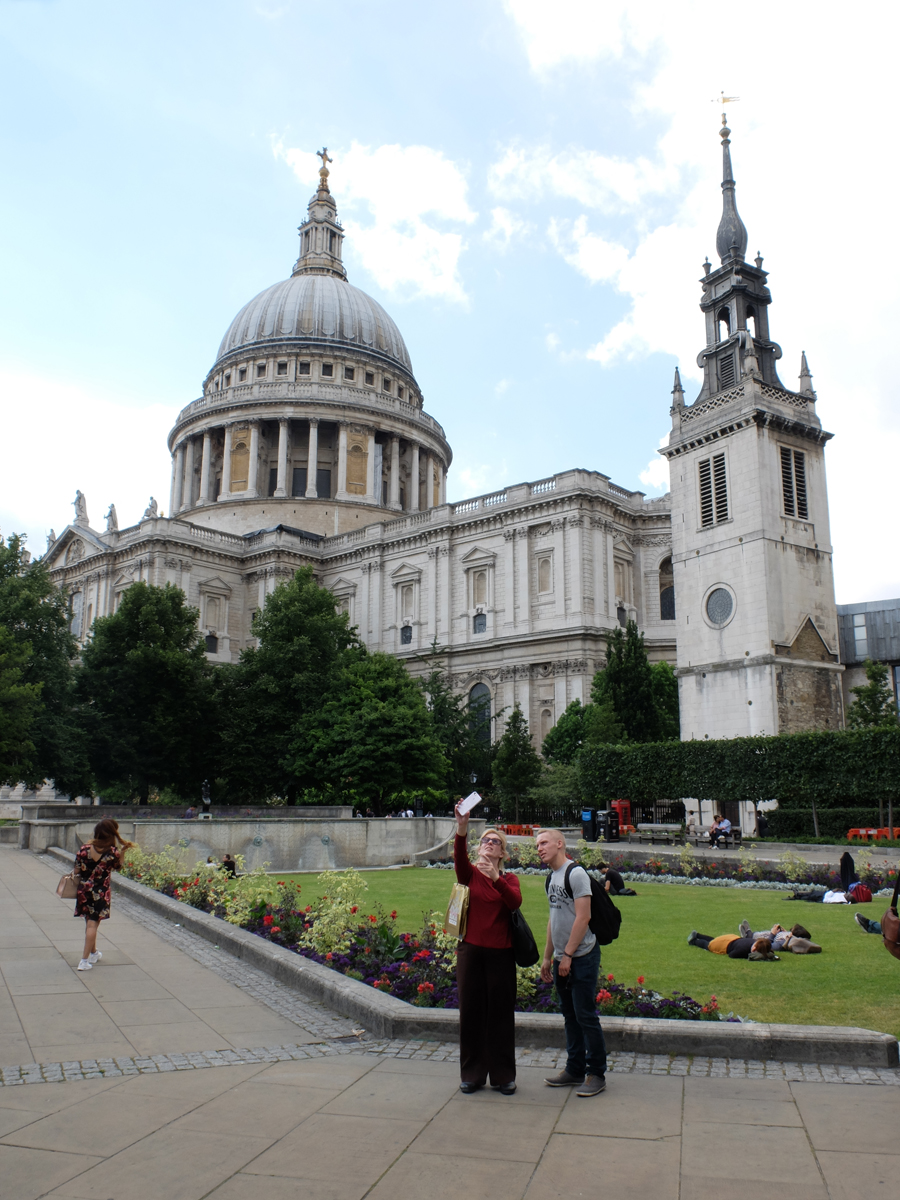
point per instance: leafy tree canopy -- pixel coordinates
(644, 698)
(458, 729)
(149, 703)
(371, 737)
(665, 698)
(517, 767)
(19, 705)
(874, 706)
(303, 645)
(35, 613)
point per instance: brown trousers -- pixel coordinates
(486, 981)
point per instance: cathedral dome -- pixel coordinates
(311, 309)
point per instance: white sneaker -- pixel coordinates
(84, 965)
(95, 957)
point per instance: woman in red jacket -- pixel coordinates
(485, 967)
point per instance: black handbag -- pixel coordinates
(524, 947)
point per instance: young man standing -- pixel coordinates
(572, 962)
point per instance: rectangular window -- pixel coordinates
(384, 491)
(479, 623)
(713, 490)
(298, 482)
(260, 370)
(406, 635)
(726, 371)
(303, 368)
(370, 378)
(273, 480)
(282, 368)
(860, 635)
(793, 482)
(349, 372)
(228, 379)
(400, 391)
(327, 370)
(406, 601)
(242, 374)
(323, 484)
(386, 384)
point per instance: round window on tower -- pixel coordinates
(719, 606)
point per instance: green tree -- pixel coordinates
(874, 706)
(665, 697)
(559, 785)
(35, 613)
(517, 767)
(303, 644)
(459, 730)
(565, 739)
(372, 736)
(627, 683)
(19, 707)
(602, 726)
(149, 702)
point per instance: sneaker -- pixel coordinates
(862, 922)
(84, 965)
(564, 1079)
(744, 929)
(592, 1086)
(95, 957)
(692, 937)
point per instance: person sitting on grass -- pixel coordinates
(758, 949)
(614, 883)
(797, 939)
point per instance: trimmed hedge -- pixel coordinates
(789, 823)
(831, 770)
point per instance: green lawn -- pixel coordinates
(854, 981)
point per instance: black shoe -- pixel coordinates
(507, 1089)
(468, 1088)
(862, 922)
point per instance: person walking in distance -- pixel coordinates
(94, 865)
(572, 962)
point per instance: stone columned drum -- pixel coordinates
(311, 416)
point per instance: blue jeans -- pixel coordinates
(585, 1044)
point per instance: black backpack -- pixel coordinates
(605, 917)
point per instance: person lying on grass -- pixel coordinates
(797, 939)
(756, 948)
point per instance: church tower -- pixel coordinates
(756, 620)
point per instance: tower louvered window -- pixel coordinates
(713, 490)
(726, 371)
(793, 482)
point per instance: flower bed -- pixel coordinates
(340, 932)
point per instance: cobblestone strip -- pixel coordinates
(338, 1035)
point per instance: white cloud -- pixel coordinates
(504, 227)
(552, 341)
(501, 386)
(476, 480)
(114, 453)
(592, 179)
(411, 194)
(655, 475)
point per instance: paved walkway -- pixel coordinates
(342, 1121)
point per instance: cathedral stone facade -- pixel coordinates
(310, 446)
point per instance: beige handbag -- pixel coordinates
(67, 888)
(457, 911)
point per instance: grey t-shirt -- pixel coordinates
(562, 909)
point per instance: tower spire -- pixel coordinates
(806, 387)
(677, 391)
(321, 234)
(731, 237)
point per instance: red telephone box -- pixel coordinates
(623, 808)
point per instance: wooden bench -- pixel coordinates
(650, 834)
(700, 837)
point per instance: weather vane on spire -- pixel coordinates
(723, 100)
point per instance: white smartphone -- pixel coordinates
(469, 803)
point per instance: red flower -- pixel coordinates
(275, 929)
(640, 979)
(267, 920)
(394, 915)
(425, 987)
(373, 919)
(611, 979)
(329, 957)
(355, 908)
(603, 996)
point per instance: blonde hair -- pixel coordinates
(557, 833)
(500, 834)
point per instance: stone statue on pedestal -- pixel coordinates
(112, 520)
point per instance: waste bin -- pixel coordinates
(589, 824)
(608, 825)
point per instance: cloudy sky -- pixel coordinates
(529, 191)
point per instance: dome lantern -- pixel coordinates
(321, 234)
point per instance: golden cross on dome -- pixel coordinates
(323, 154)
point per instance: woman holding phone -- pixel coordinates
(485, 966)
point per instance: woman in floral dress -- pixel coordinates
(94, 865)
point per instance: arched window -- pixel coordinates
(480, 711)
(406, 635)
(406, 601)
(212, 643)
(723, 324)
(76, 601)
(212, 612)
(751, 322)
(666, 590)
(545, 574)
(479, 588)
(546, 722)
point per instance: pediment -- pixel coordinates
(217, 585)
(406, 571)
(73, 544)
(623, 548)
(808, 644)
(342, 586)
(479, 557)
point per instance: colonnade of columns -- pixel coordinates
(182, 496)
